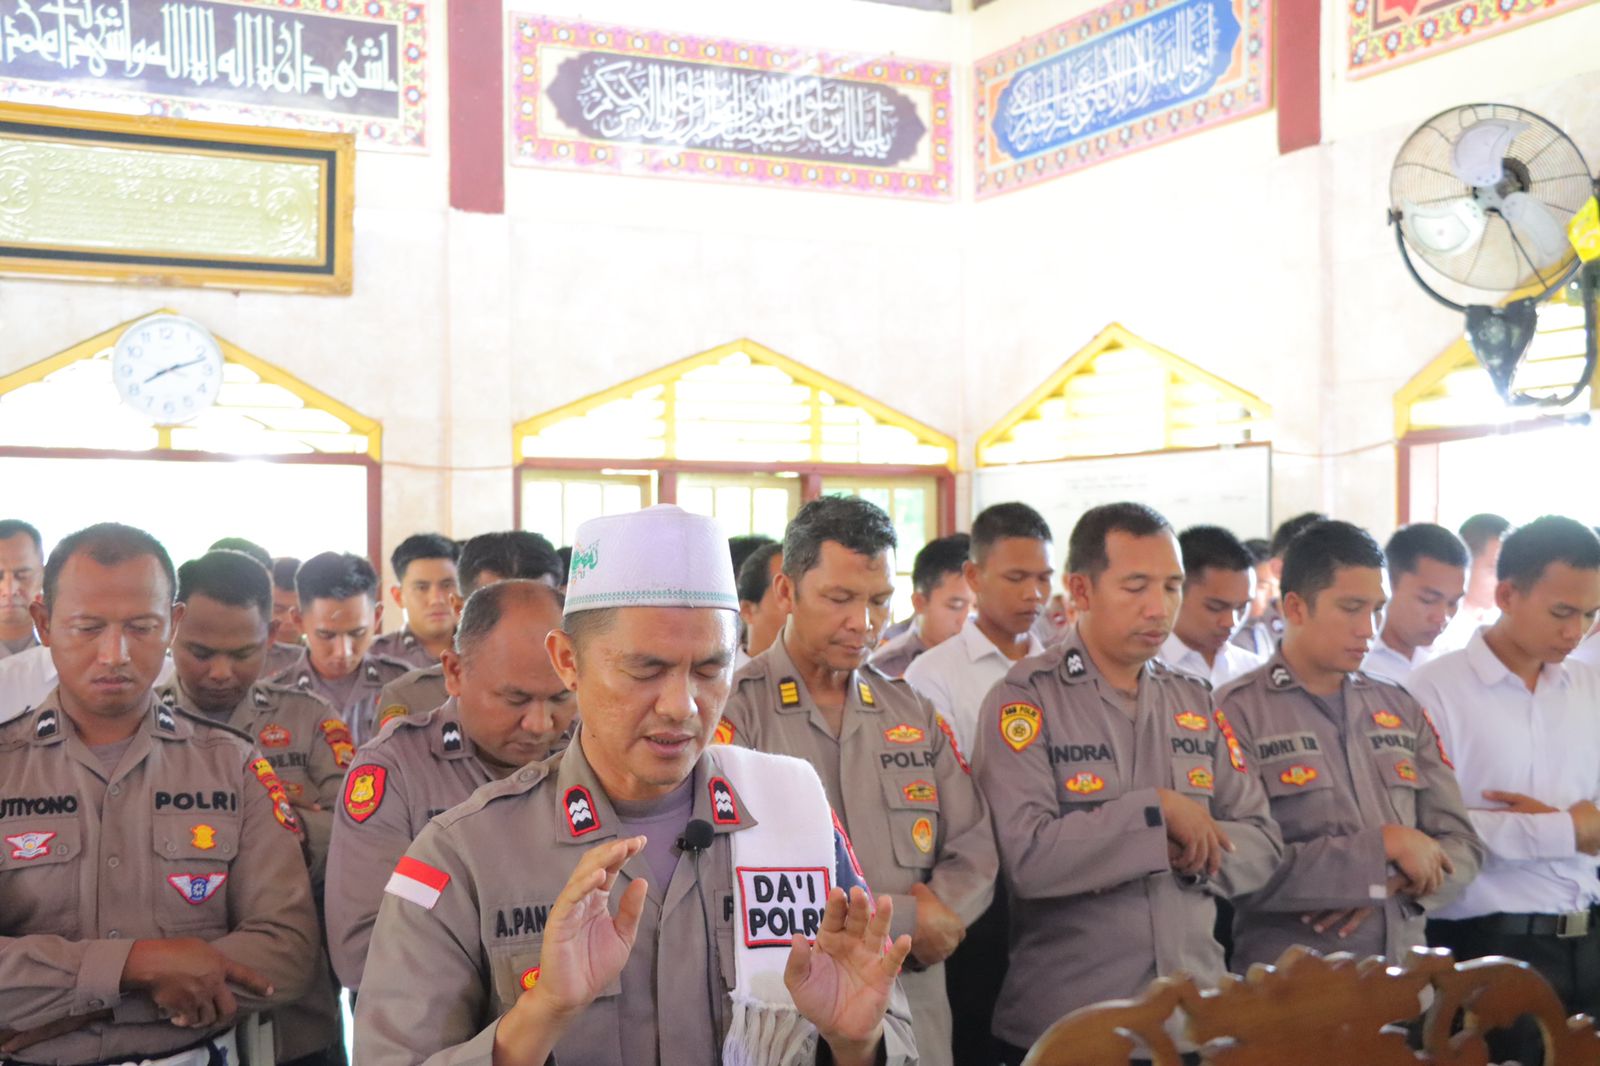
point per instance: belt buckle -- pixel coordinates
(1572, 925)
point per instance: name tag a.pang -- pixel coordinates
(776, 903)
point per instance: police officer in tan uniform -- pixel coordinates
(21, 573)
(891, 768)
(507, 708)
(218, 653)
(152, 888)
(1122, 805)
(485, 559)
(426, 590)
(339, 612)
(498, 937)
(1375, 832)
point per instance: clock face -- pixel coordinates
(168, 368)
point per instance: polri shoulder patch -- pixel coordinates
(337, 734)
(579, 808)
(1235, 749)
(1019, 725)
(282, 809)
(723, 733)
(394, 710)
(363, 791)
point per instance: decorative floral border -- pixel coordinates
(530, 146)
(1245, 90)
(1384, 34)
(409, 131)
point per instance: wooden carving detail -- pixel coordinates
(1332, 1011)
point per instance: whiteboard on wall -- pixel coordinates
(1229, 487)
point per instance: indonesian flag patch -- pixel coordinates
(417, 882)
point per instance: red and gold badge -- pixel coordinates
(1406, 769)
(363, 791)
(394, 710)
(1085, 784)
(723, 733)
(1194, 723)
(922, 835)
(1298, 775)
(1200, 778)
(275, 736)
(1235, 749)
(338, 737)
(1019, 724)
(1386, 719)
(529, 978)
(904, 733)
(921, 792)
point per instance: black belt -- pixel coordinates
(1573, 925)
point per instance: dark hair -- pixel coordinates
(515, 553)
(486, 606)
(1528, 550)
(1003, 520)
(564, 557)
(583, 626)
(422, 546)
(742, 547)
(1480, 529)
(227, 576)
(248, 547)
(755, 576)
(1212, 548)
(107, 543)
(938, 558)
(16, 527)
(848, 521)
(1290, 529)
(1260, 549)
(283, 571)
(335, 576)
(1315, 555)
(1086, 548)
(1423, 540)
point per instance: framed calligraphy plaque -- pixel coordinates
(159, 201)
(346, 66)
(1389, 33)
(644, 102)
(1115, 80)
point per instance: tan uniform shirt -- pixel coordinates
(417, 692)
(418, 767)
(360, 708)
(191, 836)
(902, 789)
(405, 646)
(1334, 783)
(893, 656)
(1071, 778)
(280, 657)
(442, 976)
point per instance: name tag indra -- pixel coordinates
(777, 903)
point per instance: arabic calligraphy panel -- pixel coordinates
(669, 105)
(1115, 80)
(356, 66)
(1389, 33)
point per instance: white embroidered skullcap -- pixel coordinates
(662, 556)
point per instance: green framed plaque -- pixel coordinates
(167, 202)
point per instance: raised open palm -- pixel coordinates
(842, 984)
(585, 948)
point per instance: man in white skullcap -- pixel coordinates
(742, 931)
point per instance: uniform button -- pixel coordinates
(65, 849)
(113, 934)
(113, 862)
(97, 1004)
(116, 790)
(171, 847)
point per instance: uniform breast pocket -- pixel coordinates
(515, 969)
(1195, 778)
(1302, 782)
(913, 802)
(39, 875)
(194, 856)
(1399, 773)
(1083, 786)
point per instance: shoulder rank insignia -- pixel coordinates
(48, 725)
(789, 692)
(1074, 661)
(303, 682)
(579, 809)
(904, 734)
(363, 791)
(1019, 724)
(1387, 719)
(1298, 775)
(865, 691)
(372, 673)
(723, 733)
(164, 720)
(169, 697)
(1194, 723)
(450, 735)
(723, 809)
(338, 737)
(1281, 677)
(260, 698)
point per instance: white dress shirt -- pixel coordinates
(956, 675)
(27, 677)
(1468, 620)
(1231, 662)
(1588, 652)
(1386, 664)
(1544, 744)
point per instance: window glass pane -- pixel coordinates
(770, 512)
(584, 500)
(733, 509)
(697, 498)
(541, 509)
(622, 498)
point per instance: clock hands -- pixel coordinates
(170, 369)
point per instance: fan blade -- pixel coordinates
(1478, 156)
(1444, 229)
(1536, 226)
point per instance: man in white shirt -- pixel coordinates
(940, 598)
(1218, 587)
(1010, 572)
(1483, 534)
(1522, 725)
(1427, 567)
